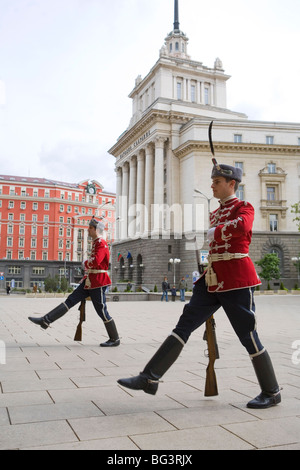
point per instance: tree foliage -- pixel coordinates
(296, 210)
(269, 265)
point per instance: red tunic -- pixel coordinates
(97, 266)
(233, 221)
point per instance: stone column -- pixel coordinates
(124, 201)
(159, 185)
(118, 205)
(140, 192)
(149, 188)
(132, 198)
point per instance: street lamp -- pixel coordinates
(174, 262)
(207, 198)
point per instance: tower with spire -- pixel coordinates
(176, 42)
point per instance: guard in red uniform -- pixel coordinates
(93, 285)
(228, 282)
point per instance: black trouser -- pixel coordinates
(97, 296)
(238, 305)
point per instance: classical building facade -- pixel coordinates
(164, 155)
(43, 227)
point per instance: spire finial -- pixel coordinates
(176, 16)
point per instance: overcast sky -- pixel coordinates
(67, 67)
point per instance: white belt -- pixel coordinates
(96, 271)
(210, 276)
(226, 256)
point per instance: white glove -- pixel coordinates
(83, 264)
(210, 234)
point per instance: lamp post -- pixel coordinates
(174, 262)
(207, 198)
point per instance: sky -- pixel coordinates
(68, 66)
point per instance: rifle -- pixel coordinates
(78, 334)
(211, 387)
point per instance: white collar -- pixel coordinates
(222, 201)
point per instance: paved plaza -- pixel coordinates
(59, 394)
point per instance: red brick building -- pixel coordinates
(46, 221)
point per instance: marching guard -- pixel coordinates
(228, 282)
(93, 285)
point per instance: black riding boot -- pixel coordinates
(162, 360)
(270, 391)
(52, 316)
(112, 333)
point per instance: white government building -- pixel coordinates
(164, 155)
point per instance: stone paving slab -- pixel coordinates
(59, 394)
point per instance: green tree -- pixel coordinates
(51, 284)
(269, 265)
(296, 210)
(64, 284)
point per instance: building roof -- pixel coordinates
(34, 180)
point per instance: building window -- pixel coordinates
(35, 206)
(241, 192)
(46, 206)
(14, 270)
(179, 91)
(193, 93)
(39, 271)
(11, 204)
(273, 222)
(23, 205)
(269, 140)
(272, 168)
(271, 193)
(206, 95)
(237, 138)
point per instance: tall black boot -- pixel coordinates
(112, 332)
(162, 360)
(270, 391)
(52, 316)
